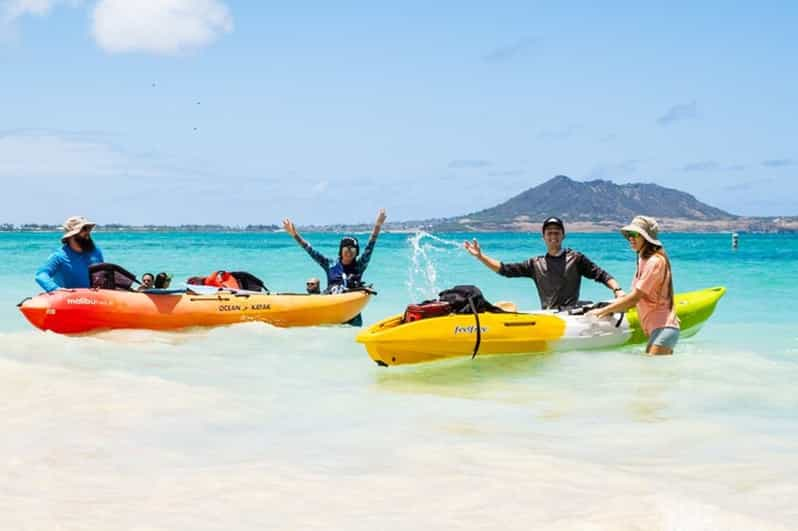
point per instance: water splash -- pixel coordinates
(423, 272)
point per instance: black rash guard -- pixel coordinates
(558, 278)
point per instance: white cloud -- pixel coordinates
(45, 154)
(158, 26)
(13, 9)
(47, 173)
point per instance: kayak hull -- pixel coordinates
(85, 310)
(392, 342)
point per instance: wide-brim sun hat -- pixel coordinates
(74, 225)
(646, 227)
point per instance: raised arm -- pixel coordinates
(476, 251)
(320, 259)
(290, 228)
(378, 225)
(366, 256)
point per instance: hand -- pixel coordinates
(380, 217)
(473, 248)
(598, 313)
(288, 225)
(620, 293)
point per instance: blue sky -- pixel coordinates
(211, 111)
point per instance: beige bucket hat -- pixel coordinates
(74, 225)
(646, 227)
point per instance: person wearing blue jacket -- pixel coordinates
(69, 266)
(346, 271)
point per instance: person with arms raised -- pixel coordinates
(347, 270)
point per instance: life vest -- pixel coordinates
(346, 276)
(222, 279)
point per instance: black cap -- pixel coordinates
(553, 221)
(349, 241)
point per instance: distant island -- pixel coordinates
(589, 206)
(119, 227)
(601, 206)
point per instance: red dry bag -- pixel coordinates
(416, 312)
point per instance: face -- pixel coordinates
(147, 281)
(635, 240)
(312, 286)
(348, 254)
(83, 239)
(553, 236)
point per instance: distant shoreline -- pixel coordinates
(742, 225)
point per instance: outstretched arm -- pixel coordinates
(476, 251)
(620, 304)
(322, 260)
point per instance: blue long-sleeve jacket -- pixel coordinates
(335, 270)
(67, 269)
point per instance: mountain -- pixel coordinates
(591, 206)
(599, 201)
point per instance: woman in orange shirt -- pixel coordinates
(652, 288)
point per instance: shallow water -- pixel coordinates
(252, 427)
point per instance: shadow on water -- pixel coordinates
(616, 384)
(463, 377)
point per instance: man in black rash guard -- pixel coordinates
(557, 274)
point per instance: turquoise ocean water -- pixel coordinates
(253, 427)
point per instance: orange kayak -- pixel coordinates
(84, 310)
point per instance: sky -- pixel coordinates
(245, 112)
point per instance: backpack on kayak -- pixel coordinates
(464, 299)
(111, 276)
(467, 299)
(248, 281)
(459, 299)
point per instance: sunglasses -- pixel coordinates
(350, 248)
(309, 284)
(631, 234)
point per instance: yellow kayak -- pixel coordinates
(394, 342)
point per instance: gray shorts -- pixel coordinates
(664, 337)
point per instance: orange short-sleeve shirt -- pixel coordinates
(653, 308)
